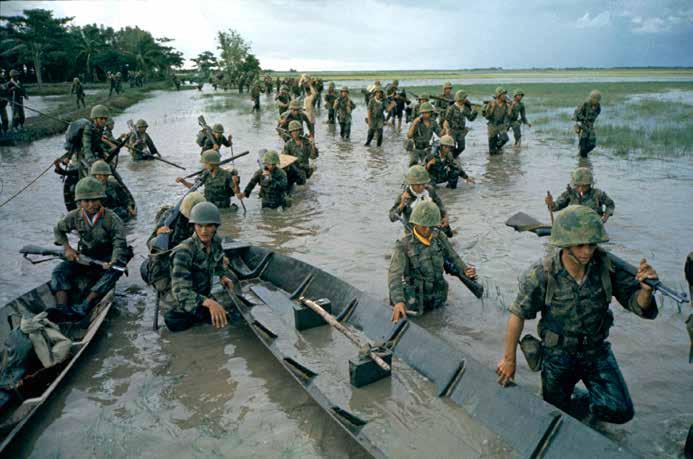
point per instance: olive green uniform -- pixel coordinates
(330, 98)
(78, 90)
(141, 146)
(422, 140)
(456, 118)
(445, 169)
(273, 187)
(206, 143)
(518, 117)
(343, 106)
(92, 148)
(282, 102)
(376, 109)
(219, 188)
(415, 276)
(498, 116)
(301, 117)
(300, 171)
(117, 199)
(192, 270)
(595, 199)
(405, 212)
(574, 326)
(586, 114)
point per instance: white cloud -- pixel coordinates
(651, 25)
(603, 19)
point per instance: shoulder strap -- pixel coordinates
(547, 264)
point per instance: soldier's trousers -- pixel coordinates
(377, 133)
(295, 175)
(18, 116)
(178, 320)
(460, 144)
(588, 140)
(66, 274)
(417, 156)
(4, 120)
(345, 129)
(517, 131)
(330, 115)
(256, 103)
(497, 137)
(562, 369)
(80, 100)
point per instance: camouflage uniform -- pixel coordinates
(595, 199)
(282, 102)
(344, 106)
(17, 94)
(78, 91)
(192, 270)
(300, 171)
(4, 97)
(141, 146)
(273, 188)
(117, 199)
(206, 143)
(442, 106)
(405, 212)
(445, 169)
(288, 117)
(103, 241)
(255, 92)
(92, 148)
(518, 117)
(422, 139)
(586, 114)
(376, 109)
(415, 276)
(574, 325)
(455, 116)
(219, 188)
(330, 98)
(498, 116)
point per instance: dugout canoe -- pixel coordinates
(37, 386)
(439, 401)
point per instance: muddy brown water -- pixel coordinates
(207, 393)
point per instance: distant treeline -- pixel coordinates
(49, 49)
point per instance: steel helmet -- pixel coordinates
(577, 225)
(294, 126)
(218, 129)
(189, 201)
(99, 111)
(205, 213)
(294, 105)
(14, 73)
(110, 122)
(210, 157)
(417, 175)
(447, 140)
(426, 213)
(595, 95)
(284, 88)
(100, 167)
(426, 107)
(582, 176)
(344, 89)
(89, 188)
(518, 92)
(270, 157)
(447, 85)
(75, 80)
(141, 123)
(500, 91)
(460, 95)
(423, 97)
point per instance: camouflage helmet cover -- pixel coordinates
(99, 111)
(595, 95)
(417, 175)
(577, 225)
(89, 188)
(270, 157)
(141, 123)
(447, 140)
(447, 85)
(210, 157)
(426, 107)
(426, 213)
(460, 95)
(518, 92)
(100, 167)
(218, 128)
(500, 91)
(294, 105)
(205, 213)
(344, 89)
(294, 126)
(189, 201)
(582, 176)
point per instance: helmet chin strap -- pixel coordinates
(574, 259)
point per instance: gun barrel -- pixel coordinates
(656, 284)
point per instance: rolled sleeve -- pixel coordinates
(181, 281)
(395, 275)
(530, 294)
(625, 289)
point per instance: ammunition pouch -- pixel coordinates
(409, 145)
(533, 351)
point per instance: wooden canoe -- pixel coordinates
(36, 387)
(439, 401)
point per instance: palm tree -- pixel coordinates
(89, 43)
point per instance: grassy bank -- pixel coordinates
(638, 118)
(388, 75)
(37, 126)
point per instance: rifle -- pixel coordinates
(655, 284)
(119, 179)
(205, 127)
(442, 99)
(226, 161)
(149, 154)
(476, 288)
(31, 249)
(162, 241)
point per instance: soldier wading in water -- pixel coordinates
(572, 290)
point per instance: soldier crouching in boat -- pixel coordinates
(194, 262)
(416, 274)
(101, 237)
(572, 289)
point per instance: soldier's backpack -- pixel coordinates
(73, 135)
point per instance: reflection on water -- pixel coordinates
(206, 392)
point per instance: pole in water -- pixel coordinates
(36, 111)
(548, 195)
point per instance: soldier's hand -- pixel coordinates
(431, 163)
(217, 312)
(132, 212)
(399, 311)
(445, 221)
(163, 230)
(225, 281)
(107, 266)
(470, 179)
(180, 180)
(404, 199)
(505, 371)
(240, 196)
(470, 272)
(548, 200)
(645, 271)
(230, 138)
(265, 172)
(71, 254)
(605, 217)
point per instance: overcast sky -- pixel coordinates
(412, 34)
